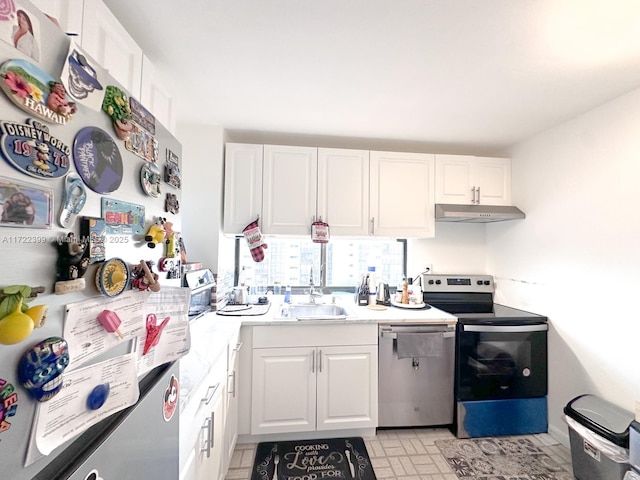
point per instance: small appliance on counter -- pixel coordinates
(200, 283)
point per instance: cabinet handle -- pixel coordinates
(211, 391)
(233, 384)
(320, 361)
(478, 193)
(371, 230)
(211, 430)
(473, 194)
(207, 443)
(313, 361)
(238, 347)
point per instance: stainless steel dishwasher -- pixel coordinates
(415, 390)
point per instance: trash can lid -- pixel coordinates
(603, 417)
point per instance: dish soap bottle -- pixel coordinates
(287, 295)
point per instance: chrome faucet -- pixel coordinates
(313, 293)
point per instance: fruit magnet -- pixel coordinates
(36, 92)
(31, 149)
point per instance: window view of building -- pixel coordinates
(289, 262)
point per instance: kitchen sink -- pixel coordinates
(313, 311)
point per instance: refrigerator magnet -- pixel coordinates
(150, 179)
(36, 92)
(170, 399)
(30, 148)
(8, 406)
(97, 160)
(113, 277)
(40, 368)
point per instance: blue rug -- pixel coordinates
(326, 459)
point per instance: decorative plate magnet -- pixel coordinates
(36, 92)
(40, 368)
(30, 148)
(97, 160)
(113, 277)
(150, 179)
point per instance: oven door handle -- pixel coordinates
(543, 327)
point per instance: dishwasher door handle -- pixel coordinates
(391, 334)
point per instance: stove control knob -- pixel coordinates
(438, 282)
(479, 282)
(487, 282)
(430, 282)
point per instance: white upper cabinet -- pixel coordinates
(106, 40)
(156, 96)
(402, 196)
(67, 13)
(462, 179)
(242, 186)
(343, 190)
(290, 180)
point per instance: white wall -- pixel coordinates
(576, 257)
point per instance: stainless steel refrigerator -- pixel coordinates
(137, 442)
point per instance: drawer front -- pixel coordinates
(314, 335)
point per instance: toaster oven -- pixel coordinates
(200, 284)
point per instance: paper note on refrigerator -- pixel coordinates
(167, 328)
(70, 412)
(86, 336)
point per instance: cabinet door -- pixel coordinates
(343, 190)
(215, 462)
(289, 189)
(493, 178)
(466, 180)
(231, 415)
(283, 394)
(402, 198)
(68, 13)
(106, 40)
(156, 96)
(242, 186)
(454, 179)
(347, 387)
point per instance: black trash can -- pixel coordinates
(599, 436)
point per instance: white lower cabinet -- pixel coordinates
(206, 423)
(330, 385)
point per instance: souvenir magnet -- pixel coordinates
(83, 78)
(93, 231)
(144, 278)
(116, 105)
(142, 144)
(122, 217)
(111, 322)
(98, 396)
(9, 404)
(113, 277)
(16, 326)
(72, 263)
(156, 233)
(170, 400)
(172, 170)
(35, 91)
(75, 196)
(97, 160)
(25, 205)
(142, 116)
(171, 204)
(40, 368)
(150, 179)
(153, 332)
(32, 150)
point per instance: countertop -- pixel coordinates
(390, 315)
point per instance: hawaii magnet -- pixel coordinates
(97, 160)
(30, 148)
(36, 92)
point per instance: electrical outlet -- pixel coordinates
(428, 268)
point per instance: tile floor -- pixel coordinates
(406, 454)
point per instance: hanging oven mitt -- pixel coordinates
(254, 239)
(320, 231)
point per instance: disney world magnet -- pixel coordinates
(97, 160)
(36, 92)
(31, 149)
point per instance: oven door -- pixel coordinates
(501, 361)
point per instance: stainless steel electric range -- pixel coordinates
(501, 358)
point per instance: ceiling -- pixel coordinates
(454, 74)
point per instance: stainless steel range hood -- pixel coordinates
(446, 212)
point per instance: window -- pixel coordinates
(288, 261)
